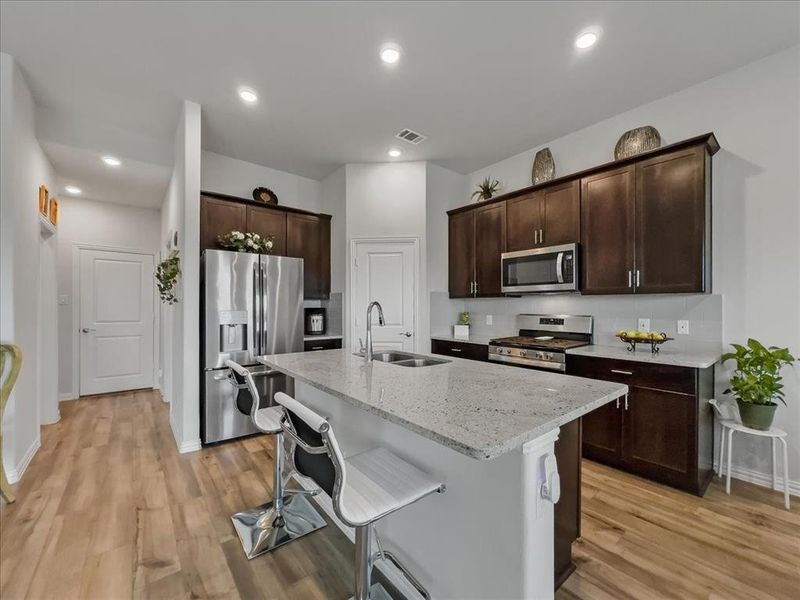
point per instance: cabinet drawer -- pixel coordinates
(632, 373)
(311, 345)
(460, 349)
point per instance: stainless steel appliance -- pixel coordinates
(251, 305)
(543, 341)
(551, 269)
(315, 321)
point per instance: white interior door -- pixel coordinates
(116, 321)
(386, 271)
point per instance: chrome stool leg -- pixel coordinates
(287, 517)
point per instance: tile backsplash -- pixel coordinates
(611, 314)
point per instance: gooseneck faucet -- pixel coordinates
(381, 322)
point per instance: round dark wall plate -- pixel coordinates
(265, 195)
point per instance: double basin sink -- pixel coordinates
(404, 359)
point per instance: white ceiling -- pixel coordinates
(483, 80)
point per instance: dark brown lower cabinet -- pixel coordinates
(460, 349)
(312, 345)
(663, 431)
(567, 513)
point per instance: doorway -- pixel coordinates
(386, 270)
(116, 320)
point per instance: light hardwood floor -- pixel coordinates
(109, 510)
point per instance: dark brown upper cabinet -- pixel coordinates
(294, 232)
(268, 222)
(490, 243)
(607, 225)
(477, 238)
(673, 220)
(461, 253)
(218, 217)
(547, 217)
(308, 237)
(646, 226)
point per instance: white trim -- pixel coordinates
(67, 397)
(15, 474)
(392, 573)
(414, 242)
(190, 446)
(76, 315)
(760, 479)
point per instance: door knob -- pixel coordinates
(87, 329)
(406, 333)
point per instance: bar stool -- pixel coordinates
(289, 515)
(364, 488)
(730, 421)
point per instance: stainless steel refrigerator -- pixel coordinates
(251, 305)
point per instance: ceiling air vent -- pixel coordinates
(412, 137)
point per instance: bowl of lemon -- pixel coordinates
(653, 338)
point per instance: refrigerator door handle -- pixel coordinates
(264, 293)
(256, 320)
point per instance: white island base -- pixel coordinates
(489, 536)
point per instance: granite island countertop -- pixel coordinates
(482, 410)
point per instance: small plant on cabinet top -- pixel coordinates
(486, 189)
(245, 242)
(757, 381)
(464, 318)
(167, 273)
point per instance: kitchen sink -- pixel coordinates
(405, 359)
(420, 362)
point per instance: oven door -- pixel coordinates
(551, 269)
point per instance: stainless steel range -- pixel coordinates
(543, 341)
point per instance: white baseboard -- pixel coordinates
(67, 396)
(15, 474)
(762, 479)
(392, 573)
(190, 446)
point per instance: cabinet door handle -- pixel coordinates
(630, 278)
(455, 349)
(535, 236)
(541, 236)
(626, 401)
(618, 372)
(318, 347)
(638, 280)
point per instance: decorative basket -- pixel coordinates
(654, 343)
(636, 141)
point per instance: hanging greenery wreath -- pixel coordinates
(167, 273)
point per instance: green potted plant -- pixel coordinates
(167, 273)
(486, 189)
(757, 383)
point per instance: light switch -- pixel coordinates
(683, 327)
(644, 325)
(63, 300)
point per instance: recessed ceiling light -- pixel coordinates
(390, 53)
(248, 96)
(112, 161)
(395, 152)
(71, 189)
(587, 39)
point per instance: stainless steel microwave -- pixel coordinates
(551, 269)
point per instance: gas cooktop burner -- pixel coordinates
(542, 341)
(537, 343)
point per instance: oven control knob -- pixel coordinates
(548, 355)
(523, 353)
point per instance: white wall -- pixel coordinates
(180, 337)
(23, 168)
(445, 190)
(388, 200)
(235, 177)
(756, 249)
(84, 221)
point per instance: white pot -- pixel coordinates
(461, 332)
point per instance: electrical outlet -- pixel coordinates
(644, 325)
(489, 319)
(63, 300)
(683, 327)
